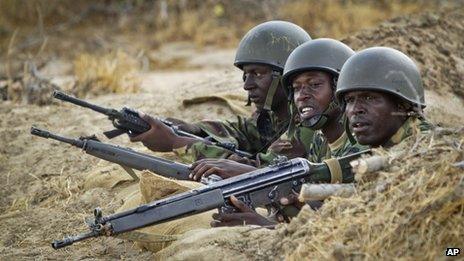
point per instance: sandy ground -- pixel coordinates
(45, 194)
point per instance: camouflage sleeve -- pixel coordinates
(290, 145)
(318, 148)
(200, 150)
(321, 151)
(243, 133)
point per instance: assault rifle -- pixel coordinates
(262, 187)
(128, 121)
(129, 159)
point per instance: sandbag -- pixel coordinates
(106, 175)
(153, 187)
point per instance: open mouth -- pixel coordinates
(359, 127)
(307, 112)
(254, 98)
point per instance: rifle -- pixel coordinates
(262, 187)
(128, 121)
(129, 159)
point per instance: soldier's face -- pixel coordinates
(373, 116)
(312, 93)
(257, 80)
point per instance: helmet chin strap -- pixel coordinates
(276, 78)
(318, 121)
(346, 125)
(249, 101)
(348, 131)
(265, 116)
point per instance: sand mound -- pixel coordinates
(413, 210)
(434, 40)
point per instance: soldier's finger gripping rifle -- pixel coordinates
(128, 121)
(263, 187)
(129, 159)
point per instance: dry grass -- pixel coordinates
(202, 22)
(337, 19)
(413, 210)
(115, 72)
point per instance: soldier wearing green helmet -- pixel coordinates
(261, 56)
(310, 75)
(384, 97)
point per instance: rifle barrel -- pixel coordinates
(48, 135)
(67, 98)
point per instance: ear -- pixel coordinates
(403, 107)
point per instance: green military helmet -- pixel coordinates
(322, 54)
(270, 43)
(382, 69)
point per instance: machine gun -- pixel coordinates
(262, 187)
(128, 121)
(129, 159)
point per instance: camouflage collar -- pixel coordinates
(412, 126)
(339, 143)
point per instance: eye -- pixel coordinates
(315, 86)
(349, 100)
(368, 98)
(296, 87)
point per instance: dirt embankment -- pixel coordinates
(44, 193)
(413, 208)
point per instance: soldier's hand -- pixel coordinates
(288, 202)
(159, 137)
(291, 199)
(222, 167)
(245, 216)
(242, 160)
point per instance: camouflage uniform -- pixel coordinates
(244, 134)
(320, 149)
(292, 144)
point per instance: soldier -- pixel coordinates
(311, 75)
(261, 56)
(384, 97)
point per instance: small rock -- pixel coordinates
(444, 50)
(415, 40)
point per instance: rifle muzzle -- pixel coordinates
(57, 244)
(40, 132)
(59, 95)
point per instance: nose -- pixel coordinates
(301, 95)
(249, 83)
